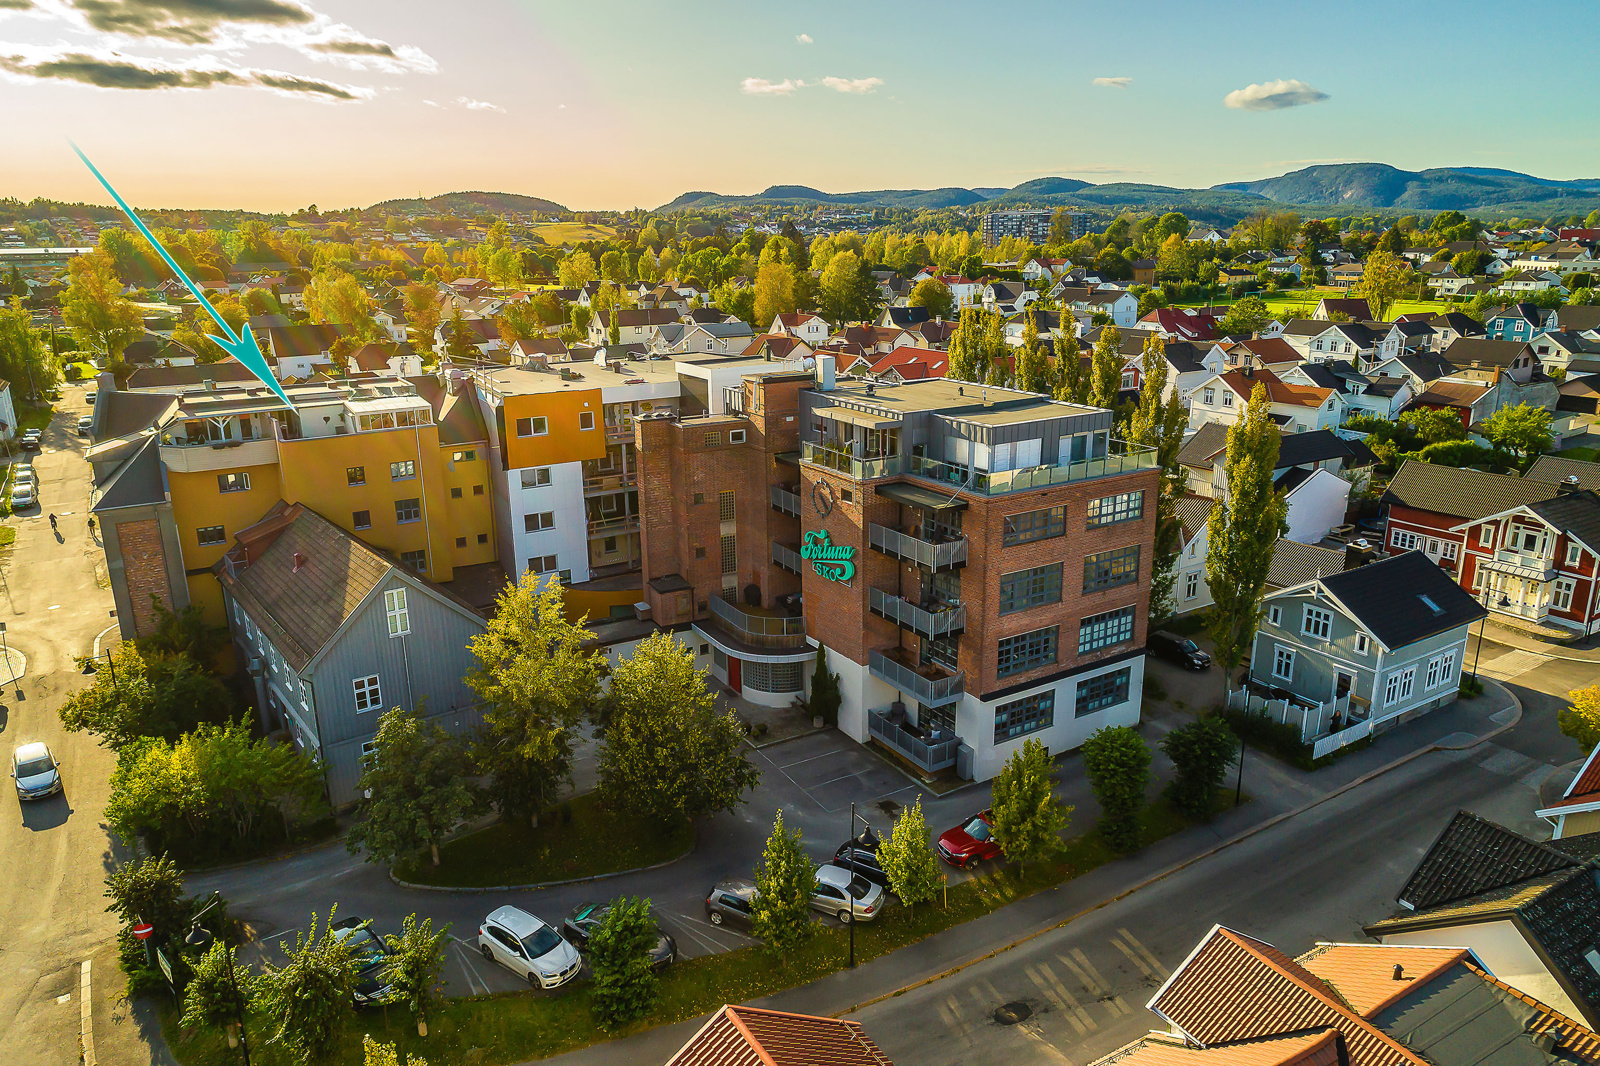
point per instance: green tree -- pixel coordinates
(422, 314)
(25, 361)
(1522, 429)
(376, 1053)
(576, 270)
(1393, 241)
(134, 697)
(1430, 426)
(825, 694)
(908, 860)
(612, 266)
(18, 284)
(781, 916)
(619, 955)
(538, 679)
(1158, 422)
(1105, 369)
(308, 998)
(416, 968)
(418, 780)
(1242, 531)
(93, 306)
(1117, 763)
(337, 298)
(1384, 279)
(775, 292)
(966, 346)
(1072, 384)
(1246, 316)
(150, 890)
(1202, 751)
(215, 998)
(935, 296)
(1033, 368)
(996, 352)
(459, 343)
(669, 756)
(1581, 719)
(847, 291)
(1027, 819)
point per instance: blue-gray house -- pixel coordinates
(333, 633)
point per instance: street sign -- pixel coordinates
(143, 930)
(166, 967)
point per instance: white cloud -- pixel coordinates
(477, 105)
(106, 69)
(763, 87)
(1114, 83)
(1273, 96)
(430, 103)
(852, 85)
(803, 38)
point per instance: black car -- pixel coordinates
(586, 918)
(852, 856)
(1181, 650)
(371, 956)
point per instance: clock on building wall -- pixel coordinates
(822, 497)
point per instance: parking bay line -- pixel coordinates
(469, 966)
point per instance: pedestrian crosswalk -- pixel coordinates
(1513, 664)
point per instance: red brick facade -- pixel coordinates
(144, 563)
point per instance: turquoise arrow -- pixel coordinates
(242, 348)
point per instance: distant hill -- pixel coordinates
(472, 202)
(1379, 185)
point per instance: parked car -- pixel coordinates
(32, 440)
(23, 495)
(35, 771)
(89, 398)
(24, 475)
(1181, 650)
(852, 856)
(731, 902)
(845, 895)
(528, 947)
(970, 842)
(371, 956)
(586, 918)
(85, 425)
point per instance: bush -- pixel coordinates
(1118, 765)
(1581, 720)
(1202, 751)
(1470, 686)
(1273, 737)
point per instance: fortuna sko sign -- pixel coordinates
(829, 560)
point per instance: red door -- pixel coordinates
(734, 668)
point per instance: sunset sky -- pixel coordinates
(276, 104)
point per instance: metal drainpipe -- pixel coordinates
(427, 525)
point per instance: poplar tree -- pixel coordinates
(1027, 819)
(964, 344)
(1105, 370)
(908, 860)
(1033, 369)
(1071, 384)
(1158, 423)
(1242, 531)
(786, 880)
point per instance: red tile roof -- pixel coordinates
(1319, 1047)
(750, 1036)
(912, 362)
(1585, 788)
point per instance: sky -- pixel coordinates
(273, 105)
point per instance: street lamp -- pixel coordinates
(867, 839)
(200, 938)
(5, 650)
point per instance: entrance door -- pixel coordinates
(1342, 689)
(735, 670)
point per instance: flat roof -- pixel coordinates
(955, 399)
(529, 381)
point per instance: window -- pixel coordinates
(772, 677)
(1442, 670)
(477, 490)
(736, 436)
(368, 695)
(1034, 525)
(847, 495)
(1104, 630)
(1105, 570)
(1363, 644)
(1191, 585)
(1561, 594)
(210, 535)
(399, 615)
(585, 419)
(1109, 510)
(1022, 589)
(1282, 662)
(461, 542)
(542, 564)
(408, 510)
(417, 560)
(540, 520)
(1275, 615)
(483, 538)
(532, 427)
(403, 471)
(1403, 541)
(699, 497)
(1209, 397)
(700, 553)
(712, 440)
(355, 475)
(455, 494)
(1098, 693)
(1027, 650)
(463, 457)
(730, 554)
(1315, 622)
(725, 506)
(1399, 686)
(1227, 398)
(361, 519)
(1027, 715)
(367, 748)
(1450, 548)
(1574, 553)
(233, 482)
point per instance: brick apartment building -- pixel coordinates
(975, 561)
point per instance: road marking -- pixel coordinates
(950, 1014)
(53, 607)
(1049, 1049)
(64, 997)
(1149, 957)
(1143, 966)
(1056, 993)
(1099, 985)
(86, 1014)
(811, 758)
(1513, 664)
(1506, 762)
(475, 981)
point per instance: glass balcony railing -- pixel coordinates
(931, 686)
(761, 628)
(930, 755)
(931, 555)
(1124, 458)
(842, 462)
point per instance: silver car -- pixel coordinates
(845, 894)
(35, 771)
(528, 947)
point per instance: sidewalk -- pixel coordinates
(1580, 651)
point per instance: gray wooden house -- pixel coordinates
(332, 633)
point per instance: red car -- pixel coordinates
(970, 841)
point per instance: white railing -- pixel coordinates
(1344, 738)
(219, 455)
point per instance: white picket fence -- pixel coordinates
(1313, 719)
(1334, 741)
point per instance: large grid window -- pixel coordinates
(355, 475)
(1399, 686)
(1027, 715)
(1103, 630)
(404, 470)
(1027, 650)
(1022, 589)
(1109, 510)
(725, 505)
(211, 535)
(408, 510)
(1034, 525)
(417, 560)
(730, 554)
(1098, 693)
(1105, 570)
(771, 677)
(1315, 622)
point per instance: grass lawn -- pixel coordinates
(1300, 303)
(1588, 455)
(492, 1030)
(8, 536)
(594, 841)
(33, 416)
(573, 232)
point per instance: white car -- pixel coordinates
(35, 771)
(24, 475)
(23, 496)
(528, 947)
(85, 425)
(836, 885)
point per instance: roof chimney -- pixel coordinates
(1399, 972)
(299, 561)
(1569, 485)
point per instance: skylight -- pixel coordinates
(1434, 607)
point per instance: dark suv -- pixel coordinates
(1181, 650)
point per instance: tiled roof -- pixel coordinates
(1450, 394)
(1354, 306)
(301, 339)
(1459, 492)
(1576, 514)
(1404, 599)
(223, 372)
(750, 1036)
(1294, 563)
(1553, 468)
(1317, 446)
(1473, 855)
(1204, 445)
(1318, 1047)
(1193, 513)
(1363, 974)
(1465, 351)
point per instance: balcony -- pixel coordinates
(928, 554)
(786, 500)
(929, 755)
(759, 626)
(928, 684)
(786, 557)
(182, 457)
(947, 621)
(620, 432)
(1523, 564)
(1125, 458)
(833, 458)
(610, 527)
(603, 483)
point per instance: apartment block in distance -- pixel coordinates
(975, 561)
(1032, 225)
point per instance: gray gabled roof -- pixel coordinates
(1404, 599)
(1459, 492)
(1204, 444)
(1294, 563)
(1577, 514)
(138, 482)
(1552, 469)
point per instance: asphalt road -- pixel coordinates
(56, 851)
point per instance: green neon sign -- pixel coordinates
(831, 561)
